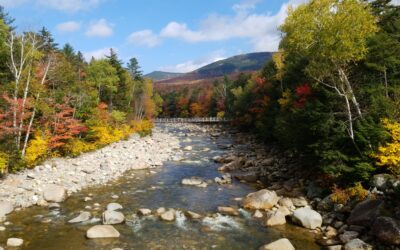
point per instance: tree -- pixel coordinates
(332, 35)
(134, 69)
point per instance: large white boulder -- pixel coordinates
(282, 244)
(307, 217)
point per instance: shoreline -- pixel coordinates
(70, 175)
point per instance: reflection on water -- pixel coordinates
(42, 228)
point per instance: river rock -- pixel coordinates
(83, 216)
(307, 217)
(193, 215)
(102, 231)
(114, 206)
(282, 244)
(144, 211)
(357, 244)
(228, 211)
(14, 242)
(113, 217)
(275, 218)
(160, 210)
(6, 207)
(387, 230)
(54, 193)
(188, 148)
(168, 216)
(194, 181)
(365, 212)
(299, 202)
(286, 202)
(381, 181)
(263, 199)
(348, 236)
(236, 164)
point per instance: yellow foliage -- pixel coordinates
(76, 146)
(3, 162)
(142, 127)
(37, 150)
(221, 114)
(389, 155)
(342, 196)
(285, 99)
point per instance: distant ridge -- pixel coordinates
(231, 66)
(162, 75)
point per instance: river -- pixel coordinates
(43, 228)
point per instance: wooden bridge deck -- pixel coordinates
(192, 120)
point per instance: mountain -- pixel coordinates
(231, 66)
(161, 75)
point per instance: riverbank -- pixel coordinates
(63, 176)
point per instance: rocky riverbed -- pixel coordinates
(57, 178)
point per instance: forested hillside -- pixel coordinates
(330, 95)
(54, 103)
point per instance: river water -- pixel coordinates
(42, 228)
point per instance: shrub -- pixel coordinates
(76, 146)
(37, 150)
(389, 155)
(342, 196)
(3, 163)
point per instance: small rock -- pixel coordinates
(348, 236)
(282, 244)
(357, 244)
(54, 193)
(286, 202)
(115, 196)
(54, 206)
(113, 217)
(102, 231)
(168, 216)
(160, 210)
(188, 148)
(330, 232)
(228, 211)
(144, 211)
(299, 202)
(387, 230)
(83, 216)
(275, 218)
(258, 214)
(14, 242)
(113, 206)
(193, 215)
(335, 247)
(6, 207)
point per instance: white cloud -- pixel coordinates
(100, 28)
(70, 26)
(260, 29)
(144, 38)
(98, 54)
(395, 2)
(191, 65)
(70, 5)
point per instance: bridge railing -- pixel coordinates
(191, 120)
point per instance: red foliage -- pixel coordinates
(302, 93)
(7, 115)
(64, 126)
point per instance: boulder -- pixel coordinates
(14, 242)
(102, 231)
(286, 202)
(381, 181)
(299, 202)
(282, 244)
(275, 218)
(114, 206)
(83, 216)
(365, 212)
(387, 230)
(357, 244)
(160, 210)
(248, 177)
(233, 165)
(168, 216)
(314, 191)
(263, 199)
(6, 207)
(228, 211)
(193, 181)
(54, 193)
(307, 217)
(113, 217)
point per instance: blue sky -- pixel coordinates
(170, 35)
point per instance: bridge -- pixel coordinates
(192, 120)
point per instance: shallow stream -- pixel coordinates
(42, 228)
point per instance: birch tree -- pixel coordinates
(332, 35)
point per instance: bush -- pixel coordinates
(76, 146)
(342, 196)
(37, 150)
(3, 163)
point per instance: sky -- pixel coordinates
(168, 35)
